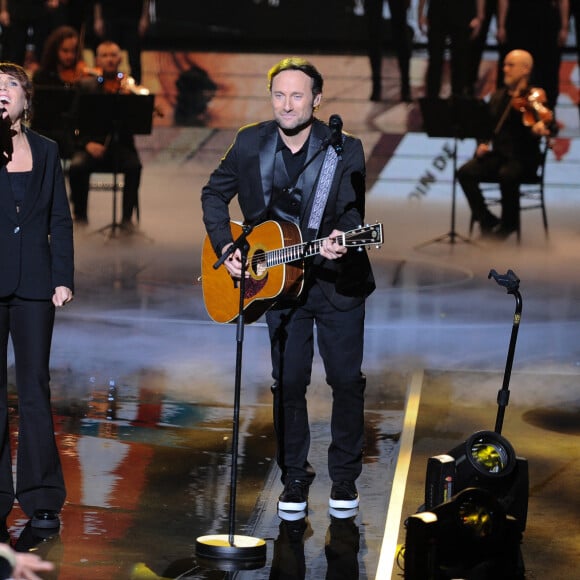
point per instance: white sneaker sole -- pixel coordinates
(291, 516)
(288, 506)
(343, 504)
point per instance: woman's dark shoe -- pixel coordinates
(45, 519)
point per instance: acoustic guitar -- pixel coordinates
(276, 266)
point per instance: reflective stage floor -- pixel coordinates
(143, 380)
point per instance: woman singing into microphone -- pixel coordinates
(36, 261)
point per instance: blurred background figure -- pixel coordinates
(512, 154)
(575, 13)
(477, 47)
(76, 13)
(401, 37)
(54, 82)
(125, 23)
(457, 22)
(541, 28)
(17, 18)
(60, 63)
(105, 151)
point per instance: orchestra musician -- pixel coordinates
(54, 81)
(61, 64)
(513, 153)
(105, 152)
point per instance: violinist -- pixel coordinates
(54, 83)
(60, 64)
(105, 152)
(520, 120)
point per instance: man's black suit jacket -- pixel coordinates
(36, 243)
(247, 170)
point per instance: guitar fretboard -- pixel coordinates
(293, 253)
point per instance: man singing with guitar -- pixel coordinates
(301, 174)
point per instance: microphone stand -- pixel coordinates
(232, 548)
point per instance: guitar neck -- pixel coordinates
(293, 253)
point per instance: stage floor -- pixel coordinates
(143, 380)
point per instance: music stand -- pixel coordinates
(112, 114)
(52, 116)
(458, 118)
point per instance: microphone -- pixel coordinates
(335, 124)
(6, 146)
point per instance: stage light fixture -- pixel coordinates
(469, 536)
(485, 460)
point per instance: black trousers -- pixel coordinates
(340, 336)
(39, 478)
(448, 20)
(400, 40)
(507, 172)
(126, 161)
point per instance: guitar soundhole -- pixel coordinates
(258, 267)
(258, 274)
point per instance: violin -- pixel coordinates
(70, 76)
(124, 84)
(532, 106)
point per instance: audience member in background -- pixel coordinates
(401, 42)
(458, 21)
(17, 17)
(512, 154)
(541, 28)
(106, 151)
(125, 23)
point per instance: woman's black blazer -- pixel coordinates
(36, 243)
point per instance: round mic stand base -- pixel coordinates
(244, 551)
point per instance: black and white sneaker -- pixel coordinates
(343, 495)
(294, 498)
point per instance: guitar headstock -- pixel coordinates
(370, 235)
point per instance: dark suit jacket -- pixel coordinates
(36, 244)
(514, 140)
(247, 170)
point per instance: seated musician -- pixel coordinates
(513, 154)
(105, 152)
(54, 83)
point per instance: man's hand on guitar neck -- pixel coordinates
(233, 263)
(330, 248)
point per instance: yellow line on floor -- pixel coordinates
(389, 544)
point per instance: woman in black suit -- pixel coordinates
(36, 265)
